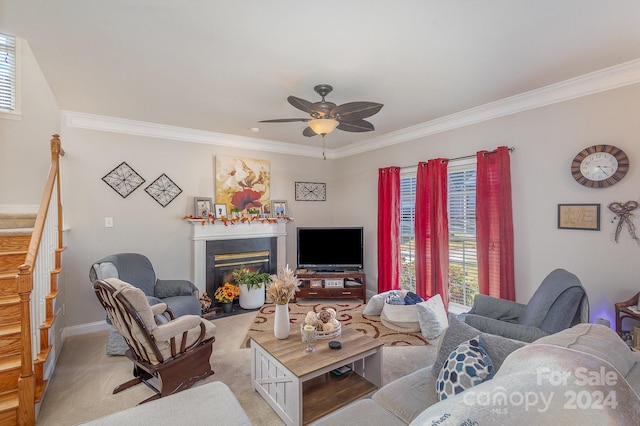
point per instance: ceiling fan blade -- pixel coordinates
(301, 104)
(356, 126)
(284, 120)
(308, 132)
(354, 111)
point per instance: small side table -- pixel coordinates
(623, 311)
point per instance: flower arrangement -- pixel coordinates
(283, 285)
(226, 293)
(251, 279)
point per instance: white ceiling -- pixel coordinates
(222, 66)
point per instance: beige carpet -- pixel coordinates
(81, 387)
(349, 314)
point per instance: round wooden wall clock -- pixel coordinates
(599, 166)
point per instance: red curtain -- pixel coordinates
(494, 224)
(432, 230)
(388, 229)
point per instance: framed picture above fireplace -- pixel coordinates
(242, 183)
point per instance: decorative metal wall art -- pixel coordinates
(625, 217)
(163, 190)
(123, 179)
(311, 191)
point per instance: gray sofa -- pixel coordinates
(523, 370)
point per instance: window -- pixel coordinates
(463, 265)
(407, 234)
(7, 73)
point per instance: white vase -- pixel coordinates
(281, 322)
(251, 298)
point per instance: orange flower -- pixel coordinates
(226, 293)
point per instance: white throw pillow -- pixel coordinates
(374, 305)
(403, 318)
(432, 317)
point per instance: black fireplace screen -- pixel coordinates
(223, 257)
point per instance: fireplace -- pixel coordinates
(224, 256)
(208, 235)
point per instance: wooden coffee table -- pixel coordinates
(300, 387)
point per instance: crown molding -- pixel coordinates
(102, 123)
(598, 81)
(584, 85)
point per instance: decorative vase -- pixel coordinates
(227, 308)
(281, 322)
(251, 298)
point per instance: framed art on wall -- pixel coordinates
(123, 179)
(203, 206)
(311, 191)
(579, 216)
(242, 183)
(279, 208)
(163, 190)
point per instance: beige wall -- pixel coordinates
(24, 143)
(546, 139)
(140, 223)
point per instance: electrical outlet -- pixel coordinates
(108, 222)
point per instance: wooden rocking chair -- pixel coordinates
(168, 357)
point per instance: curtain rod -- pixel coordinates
(466, 157)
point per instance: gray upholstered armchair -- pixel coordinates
(559, 303)
(181, 296)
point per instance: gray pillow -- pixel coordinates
(498, 347)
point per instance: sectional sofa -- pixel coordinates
(582, 375)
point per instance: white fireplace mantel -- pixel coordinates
(231, 231)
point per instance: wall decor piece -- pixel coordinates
(599, 166)
(579, 216)
(242, 183)
(220, 210)
(311, 191)
(279, 208)
(123, 179)
(625, 217)
(163, 190)
(203, 206)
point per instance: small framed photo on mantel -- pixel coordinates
(579, 216)
(203, 206)
(220, 211)
(279, 208)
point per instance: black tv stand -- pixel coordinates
(313, 284)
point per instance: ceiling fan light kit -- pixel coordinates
(327, 116)
(323, 126)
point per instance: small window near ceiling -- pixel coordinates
(7, 73)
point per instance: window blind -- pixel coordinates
(7, 73)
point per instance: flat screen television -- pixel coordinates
(330, 249)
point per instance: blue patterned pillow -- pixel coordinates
(467, 366)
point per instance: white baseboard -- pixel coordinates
(77, 330)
